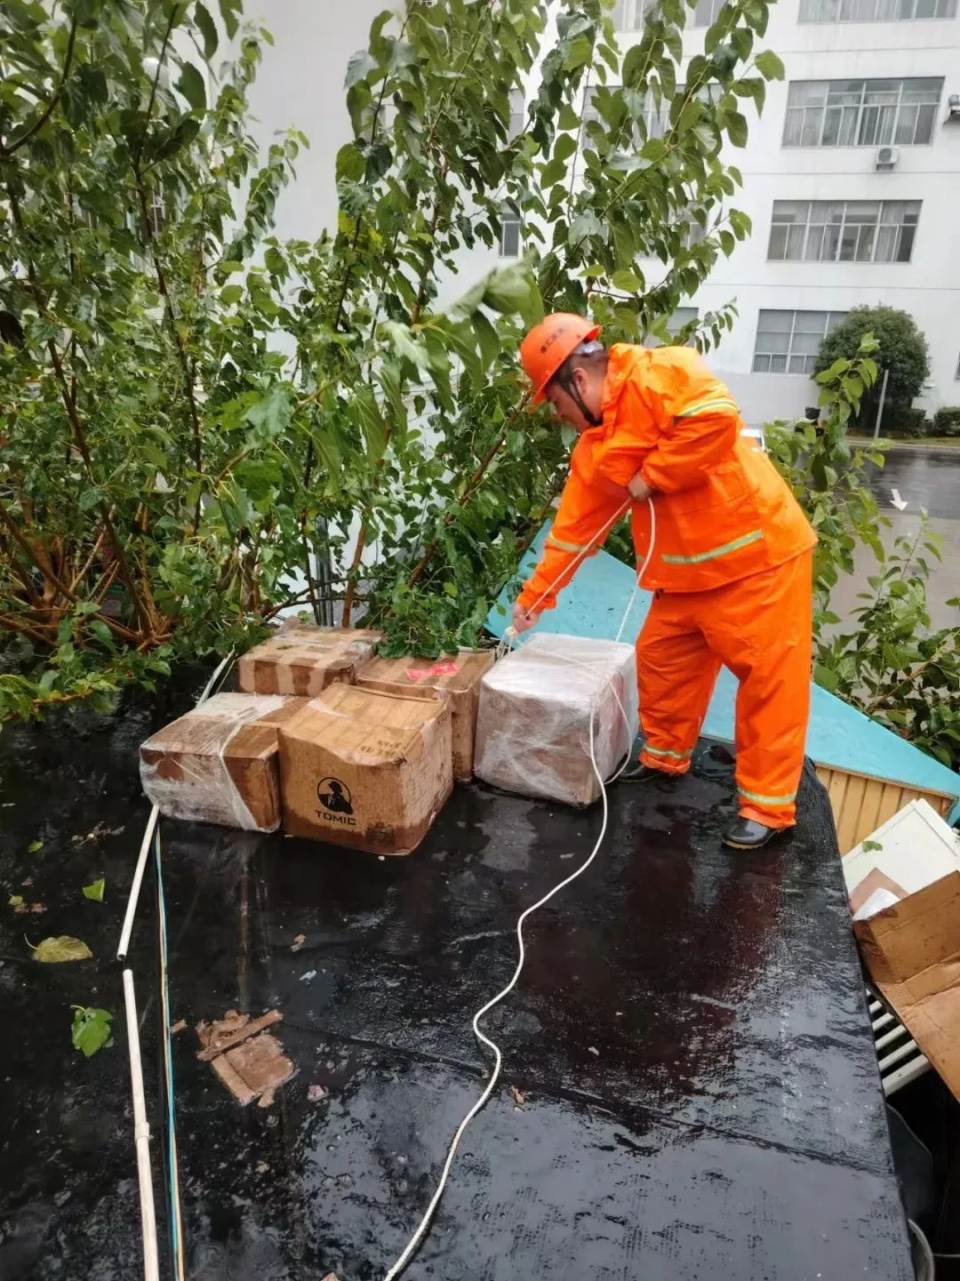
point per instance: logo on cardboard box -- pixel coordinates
(337, 802)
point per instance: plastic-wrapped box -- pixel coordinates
(455, 676)
(304, 660)
(536, 709)
(218, 764)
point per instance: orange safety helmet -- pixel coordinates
(548, 344)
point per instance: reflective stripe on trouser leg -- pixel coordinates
(763, 627)
(676, 673)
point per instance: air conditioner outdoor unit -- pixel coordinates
(887, 157)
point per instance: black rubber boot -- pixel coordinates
(747, 834)
(640, 773)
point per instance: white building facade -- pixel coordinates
(851, 177)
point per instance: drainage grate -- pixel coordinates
(901, 1059)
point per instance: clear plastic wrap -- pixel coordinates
(536, 709)
(303, 660)
(218, 764)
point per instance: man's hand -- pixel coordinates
(522, 620)
(639, 489)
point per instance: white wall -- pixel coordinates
(301, 83)
(928, 287)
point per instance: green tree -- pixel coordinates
(198, 412)
(884, 660)
(901, 348)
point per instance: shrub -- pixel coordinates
(903, 422)
(946, 421)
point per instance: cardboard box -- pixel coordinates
(457, 676)
(908, 852)
(912, 951)
(365, 769)
(303, 660)
(537, 706)
(218, 764)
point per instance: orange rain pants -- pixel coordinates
(759, 627)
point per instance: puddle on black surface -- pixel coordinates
(700, 1090)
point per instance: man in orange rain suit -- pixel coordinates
(730, 566)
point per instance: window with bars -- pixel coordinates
(628, 15)
(509, 233)
(706, 12)
(843, 230)
(861, 113)
(518, 113)
(875, 10)
(680, 318)
(788, 341)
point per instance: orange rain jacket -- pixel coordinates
(723, 512)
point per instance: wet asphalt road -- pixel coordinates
(928, 480)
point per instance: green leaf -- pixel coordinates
(737, 128)
(564, 147)
(54, 951)
(769, 65)
(513, 289)
(358, 68)
(627, 281)
(191, 85)
(372, 425)
(230, 295)
(95, 891)
(351, 165)
(15, 900)
(208, 30)
(102, 632)
(91, 1030)
(870, 847)
(35, 847)
(228, 12)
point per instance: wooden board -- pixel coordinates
(861, 804)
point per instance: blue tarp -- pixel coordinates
(839, 736)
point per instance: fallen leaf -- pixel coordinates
(178, 1027)
(517, 1096)
(593, 1050)
(34, 847)
(61, 948)
(298, 943)
(262, 1167)
(315, 1093)
(310, 974)
(95, 891)
(16, 900)
(22, 908)
(91, 1029)
(27, 880)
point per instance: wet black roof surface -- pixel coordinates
(700, 1089)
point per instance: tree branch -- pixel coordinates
(7, 152)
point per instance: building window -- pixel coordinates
(843, 230)
(957, 374)
(875, 10)
(518, 114)
(707, 12)
(628, 15)
(509, 233)
(861, 113)
(788, 341)
(680, 318)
